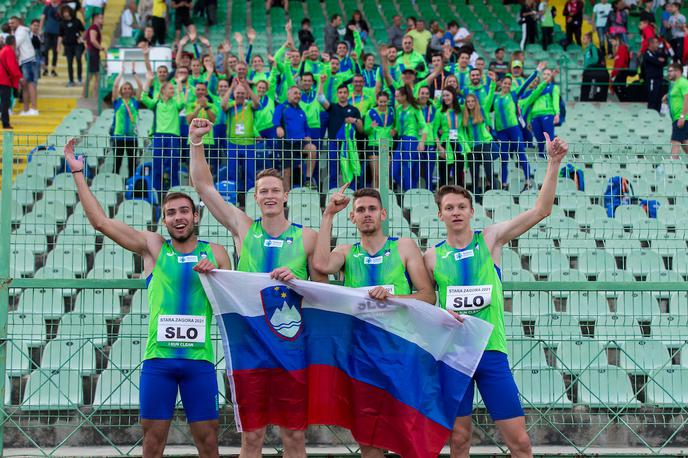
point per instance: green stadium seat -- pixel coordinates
(588, 305)
(432, 227)
(541, 388)
(544, 262)
(587, 215)
(414, 198)
(531, 304)
(18, 358)
(134, 325)
(53, 390)
(114, 256)
(513, 326)
(608, 228)
(643, 356)
(496, 198)
(137, 213)
(668, 387)
(629, 215)
(648, 229)
(678, 303)
(17, 212)
(22, 260)
(606, 387)
(533, 243)
(577, 356)
(26, 328)
(506, 212)
(595, 262)
(671, 330)
(38, 223)
(554, 328)
(638, 304)
(72, 257)
(667, 247)
(118, 389)
(621, 247)
(420, 211)
(572, 200)
(526, 353)
(617, 328)
(103, 302)
(127, 353)
(45, 302)
(510, 259)
(72, 355)
(566, 275)
(303, 197)
(82, 326)
(517, 275)
(574, 244)
(641, 263)
(306, 216)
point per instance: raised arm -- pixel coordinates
(500, 234)
(228, 215)
(119, 232)
(321, 95)
(115, 85)
(180, 50)
(255, 100)
(324, 260)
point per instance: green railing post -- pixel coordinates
(384, 177)
(5, 231)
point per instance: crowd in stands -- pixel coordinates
(445, 109)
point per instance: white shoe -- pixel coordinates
(32, 112)
(25, 113)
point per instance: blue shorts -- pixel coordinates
(679, 134)
(30, 71)
(497, 388)
(195, 380)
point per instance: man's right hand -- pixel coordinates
(280, 132)
(338, 201)
(198, 128)
(75, 164)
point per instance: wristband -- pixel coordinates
(77, 171)
(195, 144)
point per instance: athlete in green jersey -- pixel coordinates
(271, 244)
(386, 266)
(678, 107)
(465, 268)
(179, 353)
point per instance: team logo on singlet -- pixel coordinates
(282, 308)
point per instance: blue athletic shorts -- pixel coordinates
(497, 388)
(195, 380)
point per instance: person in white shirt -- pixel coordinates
(28, 65)
(129, 22)
(462, 37)
(600, 14)
(91, 8)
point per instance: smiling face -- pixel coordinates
(341, 50)
(261, 88)
(455, 212)
(359, 82)
(475, 77)
(407, 44)
(162, 73)
(257, 63)
(222, 87)
(368, 215)
(196, 67)
(180, 219)
(447, 98)
(464, 58)
(241, 70)
(424, 95)
(506, 85)
(270, 196)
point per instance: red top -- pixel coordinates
(647, 33)
(89, 44)
(10, 74)
(622, 59)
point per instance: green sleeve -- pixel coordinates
(556, 98)
(272, 85)
(422, 125)
(358, 43)
(490, 97)
(147, 101)
(439, 123)
(534, 95)
(367, 124)
(181, 104)
(280, 58)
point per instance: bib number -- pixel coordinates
(239, 129)
(453, 134)
(438, 94)
(468, 299)
(186, 331)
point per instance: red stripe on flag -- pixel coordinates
(374, 416)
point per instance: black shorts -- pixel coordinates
(372, 150)
(182, 17)
(93, 61)
(289, 149)
(679, 134)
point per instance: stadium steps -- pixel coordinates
(53, 111)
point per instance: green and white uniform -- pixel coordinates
(383, 268)
(469, 282)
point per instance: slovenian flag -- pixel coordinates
(305, 353)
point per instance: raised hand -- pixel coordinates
(542, 65)
(556, 149)
(75, 164)
(238, 37)
(338, 201)
(251, 35)
(204, 41)
(226, 47)
(198, 128)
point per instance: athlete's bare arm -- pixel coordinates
(429, 261)
(310, 239)
(324, 260)
(413, 259)
(502, 233)
(228, 215)
(144, 243)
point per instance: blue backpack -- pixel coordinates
(619, 191)
(650, 206)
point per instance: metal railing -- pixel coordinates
(596, 308)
